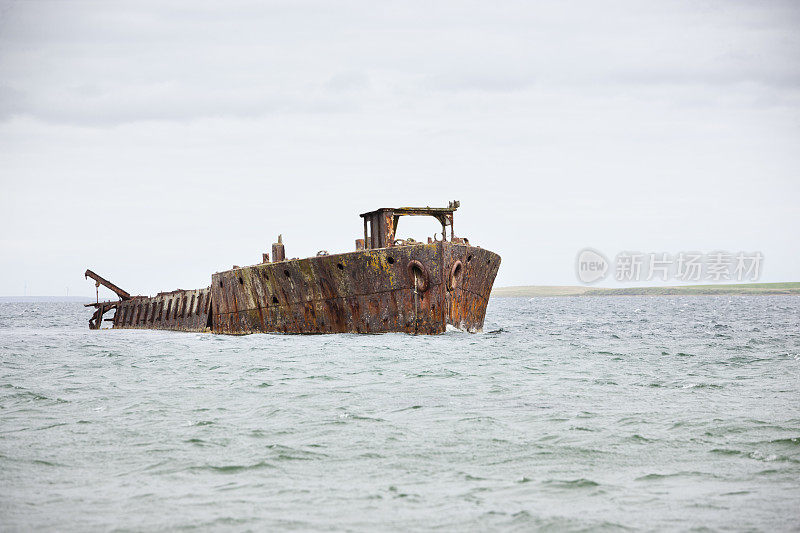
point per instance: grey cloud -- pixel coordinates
(12, 102)
(114, 105)
(111, 64)
(348, 81)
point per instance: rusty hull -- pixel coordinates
(387, 284)
(371, 291)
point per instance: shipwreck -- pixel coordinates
(385, 285)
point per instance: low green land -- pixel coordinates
(569, 290)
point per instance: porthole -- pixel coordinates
(455, 275)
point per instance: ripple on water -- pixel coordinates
(568, 414)
(231, 469)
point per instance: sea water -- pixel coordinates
(565, 414)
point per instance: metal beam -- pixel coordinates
(123, 295)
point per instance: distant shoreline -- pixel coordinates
(685, 290)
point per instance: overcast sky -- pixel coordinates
(157, 143)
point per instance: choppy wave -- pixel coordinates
(578, 414)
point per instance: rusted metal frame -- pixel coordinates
(105, 302)
(431, 211)
(452, 230)
(123, 294)
(376, 232)
(392, 217)
(395, 222)
(369, 236)
(381, 226)
(97, 316)
(385, 221)
(140, 312)
(388, 219)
